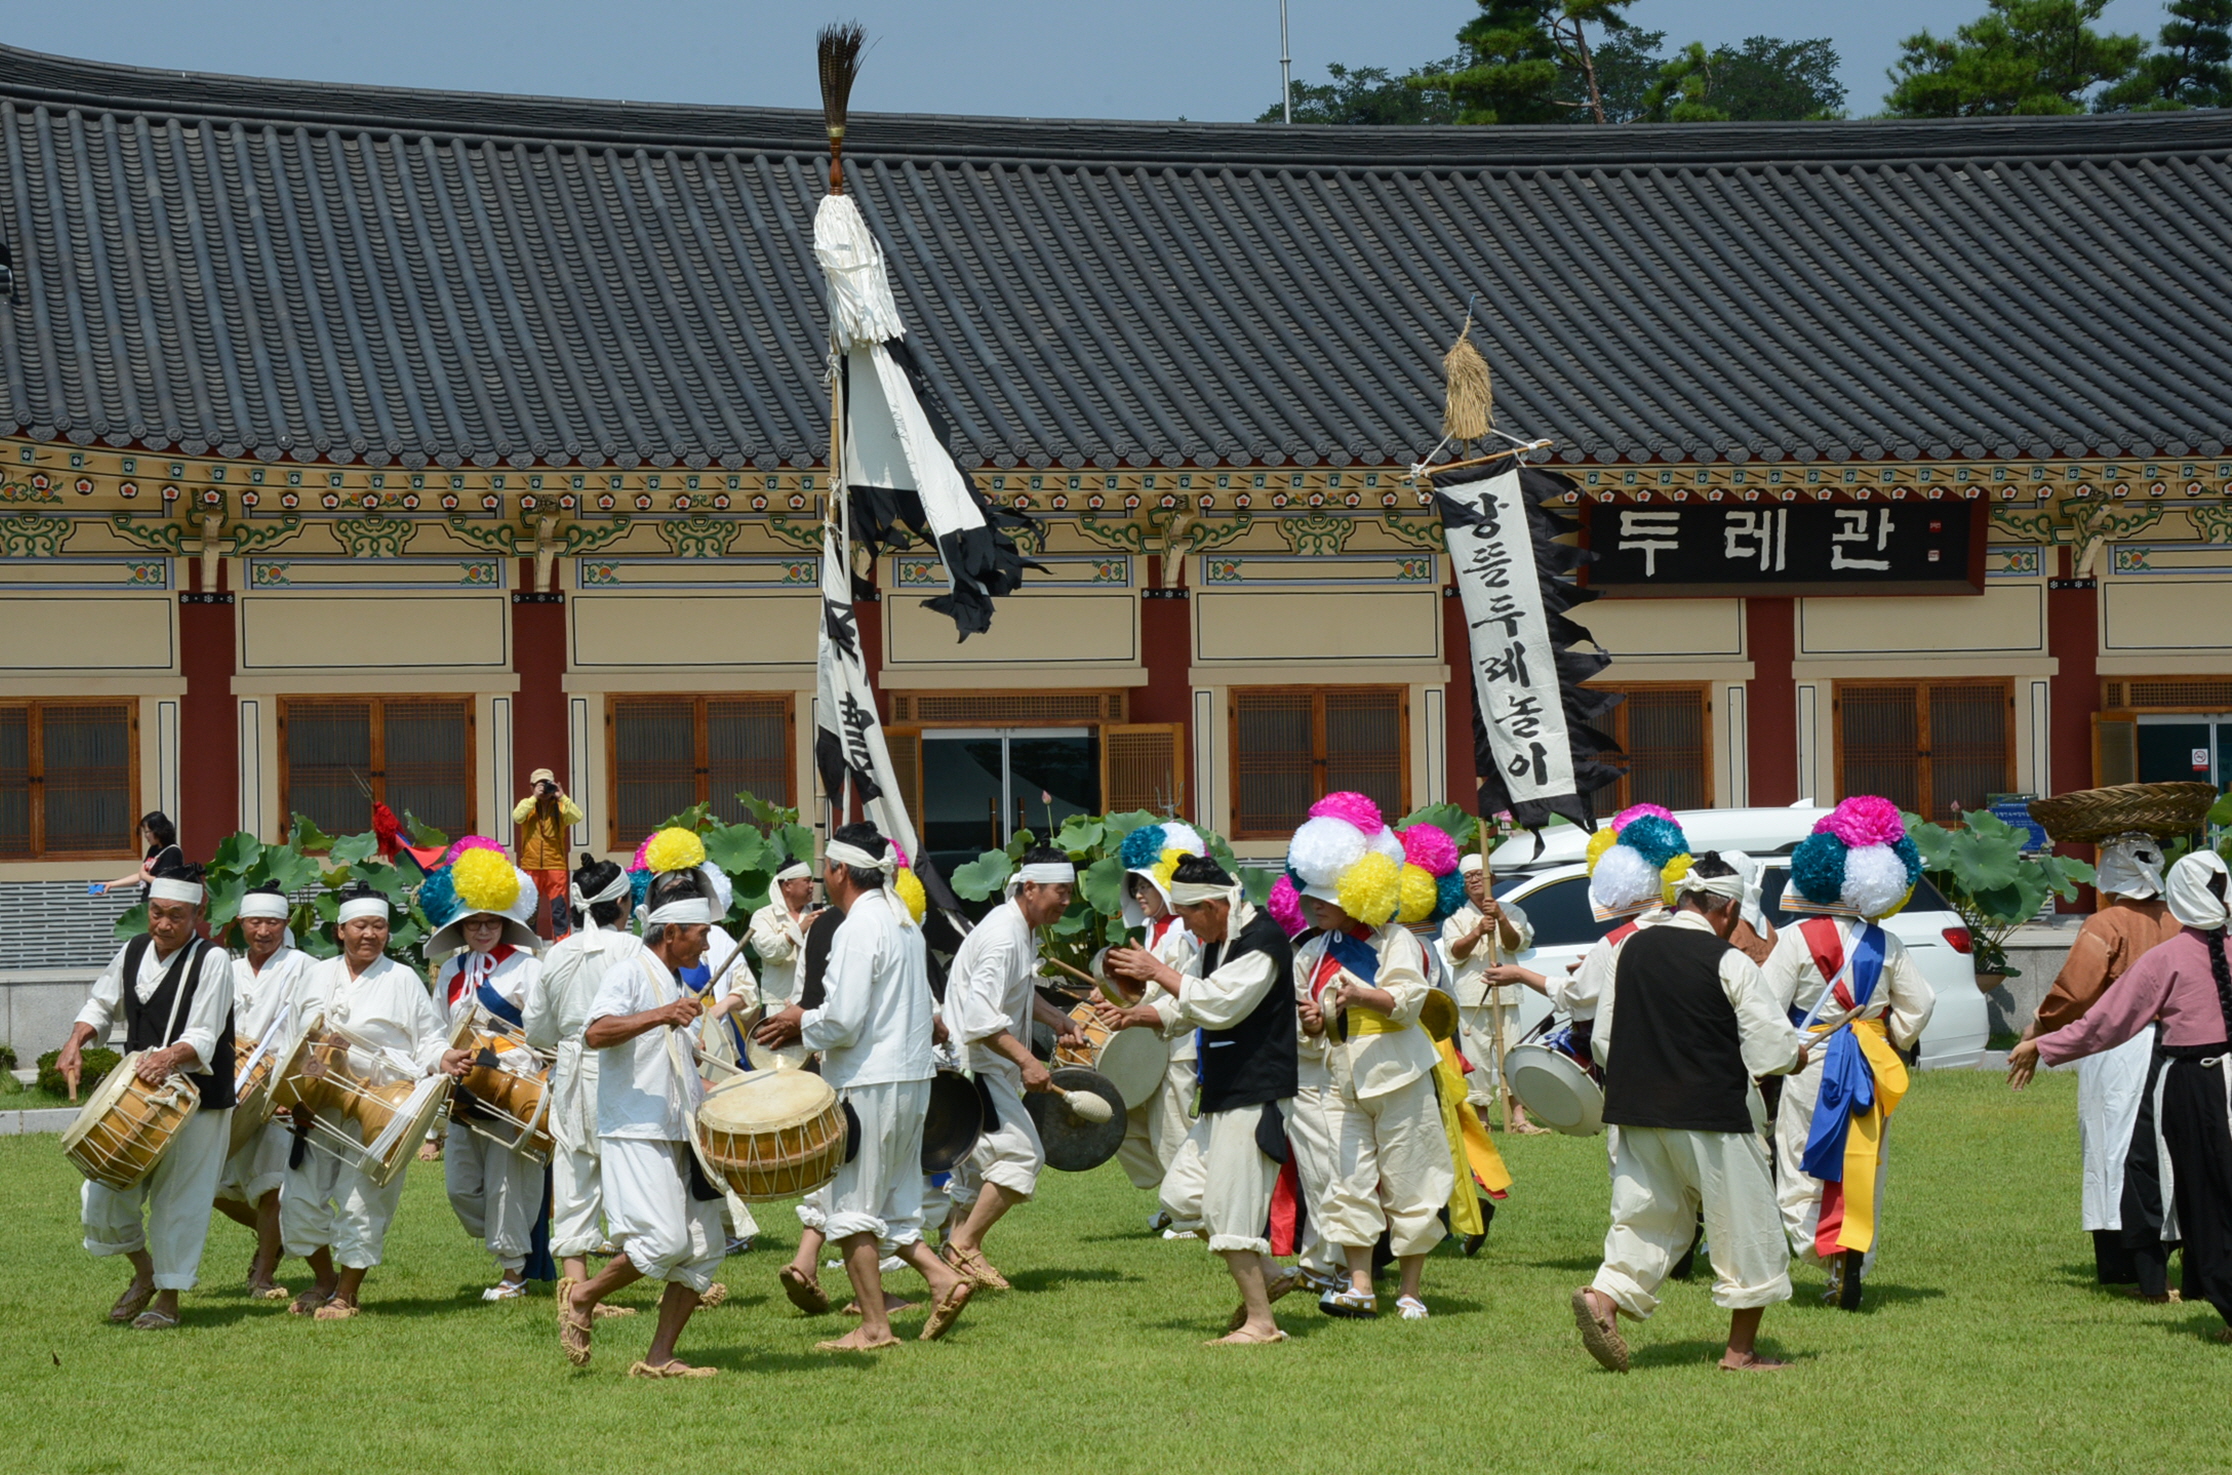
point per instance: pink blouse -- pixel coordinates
(2171, 982)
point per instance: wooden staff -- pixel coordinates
(1495, 957)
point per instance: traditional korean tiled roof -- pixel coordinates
(308, 271)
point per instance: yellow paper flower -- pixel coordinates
(910, 891)
(1420, 893)
(486, 881)
(1600, 842)
(1371, 889)
(1166, 867)
(1675, 870)
(674, 850)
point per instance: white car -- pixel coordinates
(1553, 889)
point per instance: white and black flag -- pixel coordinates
(897, 445)
(1537, 747)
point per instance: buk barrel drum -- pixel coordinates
(253, 1070)
(369, 1110)
(126, 1126)
(1132, 1060)
(770, 1134)
(505, 1095)
(1557, 1088)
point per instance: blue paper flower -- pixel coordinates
(1452, 895)
(437, 897)
(1656, 840)
(1904, 848)
(1141, 848)
(1817, 868)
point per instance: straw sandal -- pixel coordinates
(574, 1334)
(972, 1264)
(714, 1295)
(336, 1311)
(1234, 1339)
(309, 1301)
(272, 1292)
(839, 1345)
(803, 1290)
(132, 1302)
(671, 1370)
(152, 1320)
(892, 1306)
(948, 1311)
(1602, 1339)
(607, 1309)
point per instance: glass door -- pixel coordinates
(2176, 747)
(981, 785)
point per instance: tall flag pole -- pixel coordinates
(1537, 744)
(850, 752)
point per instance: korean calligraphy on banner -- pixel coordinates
(1535, 743)
(1811, 548)
(849, 747)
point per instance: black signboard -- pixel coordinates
(1808, 548)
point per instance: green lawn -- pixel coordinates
(1984, 1347)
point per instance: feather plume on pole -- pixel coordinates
(838, 49)
(1469, 411)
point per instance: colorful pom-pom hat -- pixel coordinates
(1632, 860)
(1346, 854)
(480, 883)
(1154, 851)
(1858, 862)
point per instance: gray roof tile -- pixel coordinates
(297, 270)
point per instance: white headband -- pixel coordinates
(797, 870)
(163, 888)
(1044, 873)
(363, 906)
(1195, 893)
(1729, 887)
(837, 852)
(267, 904)
(684, 911)
(1471, 861)
(620, 886)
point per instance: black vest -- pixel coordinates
(1677, 1058)
(144, 1023)
(1257, 1059)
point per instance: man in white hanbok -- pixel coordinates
(265, 980)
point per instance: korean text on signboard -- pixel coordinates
(1809, 548)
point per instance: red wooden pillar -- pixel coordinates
(2073, 693)
(539, 727)
(1771, 706)
(1166, 650)
(208, 725)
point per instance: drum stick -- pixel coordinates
(1077, 973)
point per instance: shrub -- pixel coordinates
(99, 1061)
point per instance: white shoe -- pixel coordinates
(1411, 1308)
(505, 1290)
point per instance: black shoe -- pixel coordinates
(1473, 1242)
(1848, 1290)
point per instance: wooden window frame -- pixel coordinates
(1318, 760)
(377, 721)
(700, 768)
(35, 770)
(1927, 775)
(1617, 729)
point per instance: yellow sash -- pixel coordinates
(1471, 1154)
(1864, 1141)
(1363, 1021)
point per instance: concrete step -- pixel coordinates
(43, 1119)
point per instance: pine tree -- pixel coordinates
(2192, 70)
(2020, 56)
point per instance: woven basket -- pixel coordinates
(2092, 815)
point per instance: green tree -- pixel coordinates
(2190, 71)
(1765, 79)
(2020, 57)
(1627, 65)
(1370, 95)
(1521, 55)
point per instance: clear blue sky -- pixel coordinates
(1201, 59)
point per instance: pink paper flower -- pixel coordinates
(1864, 819)
(639, 863)
(470, 842)
(1357, 809)
(899, 853)
(1637, 811)
(1286, 907)
(1431, 848)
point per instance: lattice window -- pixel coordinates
(1291, 746)
(669, 753)
(1005, 708)
(69, 780)
(1665, 738)
(2176, 693)
(1143, 767)
(341, 755)
(1935, 748)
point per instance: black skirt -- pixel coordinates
(2198, 1139)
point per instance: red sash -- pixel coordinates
(1826, 943)
(473, 967)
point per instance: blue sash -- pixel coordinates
(698, 981)
(1847, 1080)
(496, 1004)
(1354, 954)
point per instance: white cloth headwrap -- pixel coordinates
(363, 906)
(620, 886)
(1044, 873)
(852, 857)
(797, 870)
(684, 911)
(163, 888)
(1729, 887)
(2196, 890)
(1197, 893)
(1471, 860)
(267, 904)
(2130, 865)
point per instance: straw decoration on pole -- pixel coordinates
(1469, 410)
(839, 52)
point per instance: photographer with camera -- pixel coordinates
(541, 820)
